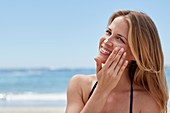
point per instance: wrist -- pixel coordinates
(102, 92)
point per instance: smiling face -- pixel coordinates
(116, 35)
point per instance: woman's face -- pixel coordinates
(116, 35)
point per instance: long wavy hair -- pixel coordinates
(145, 46)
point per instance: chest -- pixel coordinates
(120, 103)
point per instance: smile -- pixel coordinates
(104, 51)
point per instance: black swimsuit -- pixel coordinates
(131, 95)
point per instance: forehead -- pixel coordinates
(120, 26)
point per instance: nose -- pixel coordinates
(108, 42)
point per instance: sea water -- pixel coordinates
(39, 87)
(36, 87)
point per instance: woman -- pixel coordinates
(132, 78)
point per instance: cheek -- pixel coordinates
(129, 55)
(101, 41)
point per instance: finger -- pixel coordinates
(116, 59)
(98, 64)
(120, 63)
(111, 58)
(121, 70)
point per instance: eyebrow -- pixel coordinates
(109, 29)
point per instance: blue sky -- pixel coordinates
(65, 33)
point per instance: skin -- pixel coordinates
(113, 90)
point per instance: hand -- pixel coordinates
(109, 75)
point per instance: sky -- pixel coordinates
(65, 33)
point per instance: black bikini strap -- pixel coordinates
(91, 92)
(131, 97)
(132, 69)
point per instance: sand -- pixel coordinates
(31, 110)
(34, 110)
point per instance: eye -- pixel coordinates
(108, 32)
(120, 39)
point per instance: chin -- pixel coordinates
(102, 59)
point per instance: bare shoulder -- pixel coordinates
(77, 92)
(81, 84)
(81, 77)
(81, 80)
(148, 103)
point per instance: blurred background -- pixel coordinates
(43, 43)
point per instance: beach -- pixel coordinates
(35, 110)
(32, 110)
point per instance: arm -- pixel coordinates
(74, 95)
(75, 102)
(107, 76)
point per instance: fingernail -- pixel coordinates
(126, 62)
(121, 49)
(117, 48)
(95, 59)
(124, 54)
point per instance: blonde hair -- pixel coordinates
(145, 45)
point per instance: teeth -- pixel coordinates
(105, 51)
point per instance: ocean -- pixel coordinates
(36, 87)
(39, 87)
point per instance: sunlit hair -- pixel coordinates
(146, 48)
